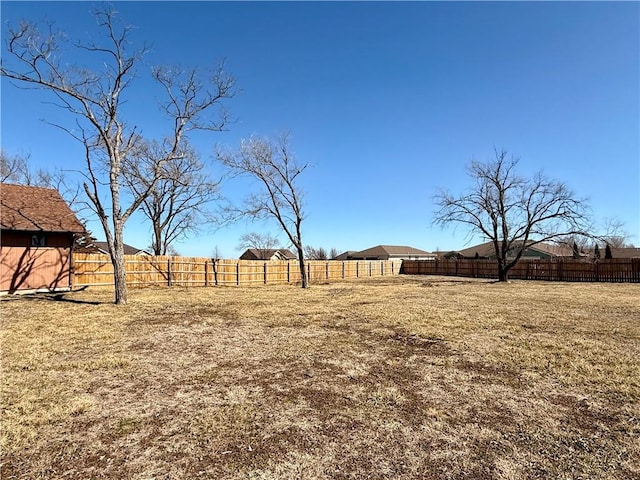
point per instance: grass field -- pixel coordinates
(388, 378)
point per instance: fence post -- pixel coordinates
(206, 274)
(343, 269)
(327, 269)
(265, 273)
(309, 273)
(238, 273)
(560, 272)
(357, 268)
(169, 272)
(215, 271)
(288, 271)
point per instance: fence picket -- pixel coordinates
(569, 270)
(97, 270)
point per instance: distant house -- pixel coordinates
(540, 251)
(388, 252)
(626, 252)
(103, 247)
(37, 230)
(268, 254)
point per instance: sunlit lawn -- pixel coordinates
(403, 377)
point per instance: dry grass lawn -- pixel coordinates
(389, 378)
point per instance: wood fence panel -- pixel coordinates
(92, 269)
(97, 270)
(227, 272)
(334, 270)
(565, 270)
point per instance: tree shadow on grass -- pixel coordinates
(60, 297)
(52, 296)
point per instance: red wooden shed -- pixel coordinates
(37, 230)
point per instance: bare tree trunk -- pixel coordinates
(503, 270)
(303, 270)
(119, 271)
(156, 242)
(503, 274)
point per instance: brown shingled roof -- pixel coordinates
(626, 252)
(35, 209)
(487, 250)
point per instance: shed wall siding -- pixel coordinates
(34, 268)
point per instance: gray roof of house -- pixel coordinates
(128, 249)
(266, 254)
(391, 251)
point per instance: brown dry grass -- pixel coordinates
(404, 377)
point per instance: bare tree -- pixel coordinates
(176, 203)
(320, 253)
(615, 234)
(272, 163)
(610, 232)
(94, 96)
(14, 169)
(313, 253)
(215, 253)
(514, 212)
(582, 242)
(18, 169)
(262, 243)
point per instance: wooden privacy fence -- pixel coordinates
(92, 270)
(565, 270)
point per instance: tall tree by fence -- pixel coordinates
(272, 163)
(512, 211)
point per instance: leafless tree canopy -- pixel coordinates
(313, 253)
(17, 169)
(611, 232)
(273, 165)
(512, 211)
(94, 97)
(615, 234)
(176, 204)
(261, 242)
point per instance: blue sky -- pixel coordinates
(389, 101)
